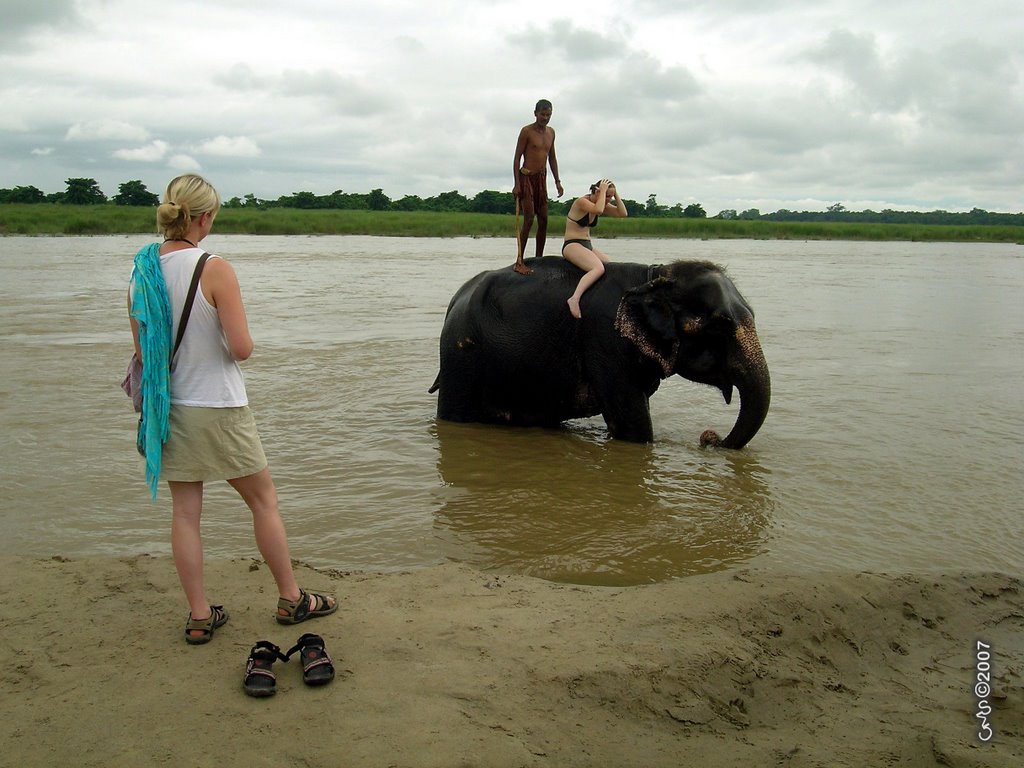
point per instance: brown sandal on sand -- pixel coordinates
(218, 618)
(300, 610)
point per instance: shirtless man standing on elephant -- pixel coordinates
(534, 150)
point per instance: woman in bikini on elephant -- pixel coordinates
(584, 213)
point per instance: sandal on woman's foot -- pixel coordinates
(259, 677)
(218, 618)
(317, 666)
(308, 606)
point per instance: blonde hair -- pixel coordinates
(186, 197)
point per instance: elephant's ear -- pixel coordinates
(645, 317)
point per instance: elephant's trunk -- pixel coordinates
(749, 373)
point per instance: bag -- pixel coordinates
(132, 384)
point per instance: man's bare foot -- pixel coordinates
(574, 307)
(522, 269)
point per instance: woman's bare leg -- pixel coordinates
(187, 546)
(592, 262)
(260, 494)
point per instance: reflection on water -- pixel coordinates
(566, 506)
(893, 440)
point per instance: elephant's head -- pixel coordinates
(691, 320)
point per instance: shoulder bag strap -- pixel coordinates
(189, 300)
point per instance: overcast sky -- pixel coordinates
(767, 104)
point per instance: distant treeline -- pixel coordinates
(83, 191)
(976, 216)
(65, 219)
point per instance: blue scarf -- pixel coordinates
(151, 309)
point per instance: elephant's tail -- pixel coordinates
(436, 385)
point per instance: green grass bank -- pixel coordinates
(55, 219)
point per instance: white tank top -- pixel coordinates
(203, 372)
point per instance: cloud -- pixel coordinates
(723, 103)
(240, 77)
(228, 146)
(410, 45)
(106, 130)
(13, 123)
(22, 18)
(344, 92)
(184, 163)
(917, 90)
(151, 153)
(563, 38)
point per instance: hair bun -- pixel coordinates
(175, 209)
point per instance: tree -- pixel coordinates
(135, 193)
(652, 208)
(345, 201)
(22, 195)
(751, 214)
(377, 200)
(694, 211)
(490, 201)
(446, 201)
(303, 200)
(727, 213)
(635, 208)
(408, 203)
(83, 192)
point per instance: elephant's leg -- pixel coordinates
(460, 386)
(629, 418)
(458, 399)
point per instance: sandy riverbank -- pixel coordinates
(453, 667)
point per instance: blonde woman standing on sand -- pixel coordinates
(583, 215)
(196, 425)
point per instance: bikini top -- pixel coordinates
(583, 218)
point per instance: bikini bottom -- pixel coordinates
(585, 243)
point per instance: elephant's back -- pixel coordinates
(511, 294)
(535, 302)
(554, 273)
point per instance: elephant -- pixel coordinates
(511, 352)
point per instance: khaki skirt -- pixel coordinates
(211, 444)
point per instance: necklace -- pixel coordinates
(180, 240)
